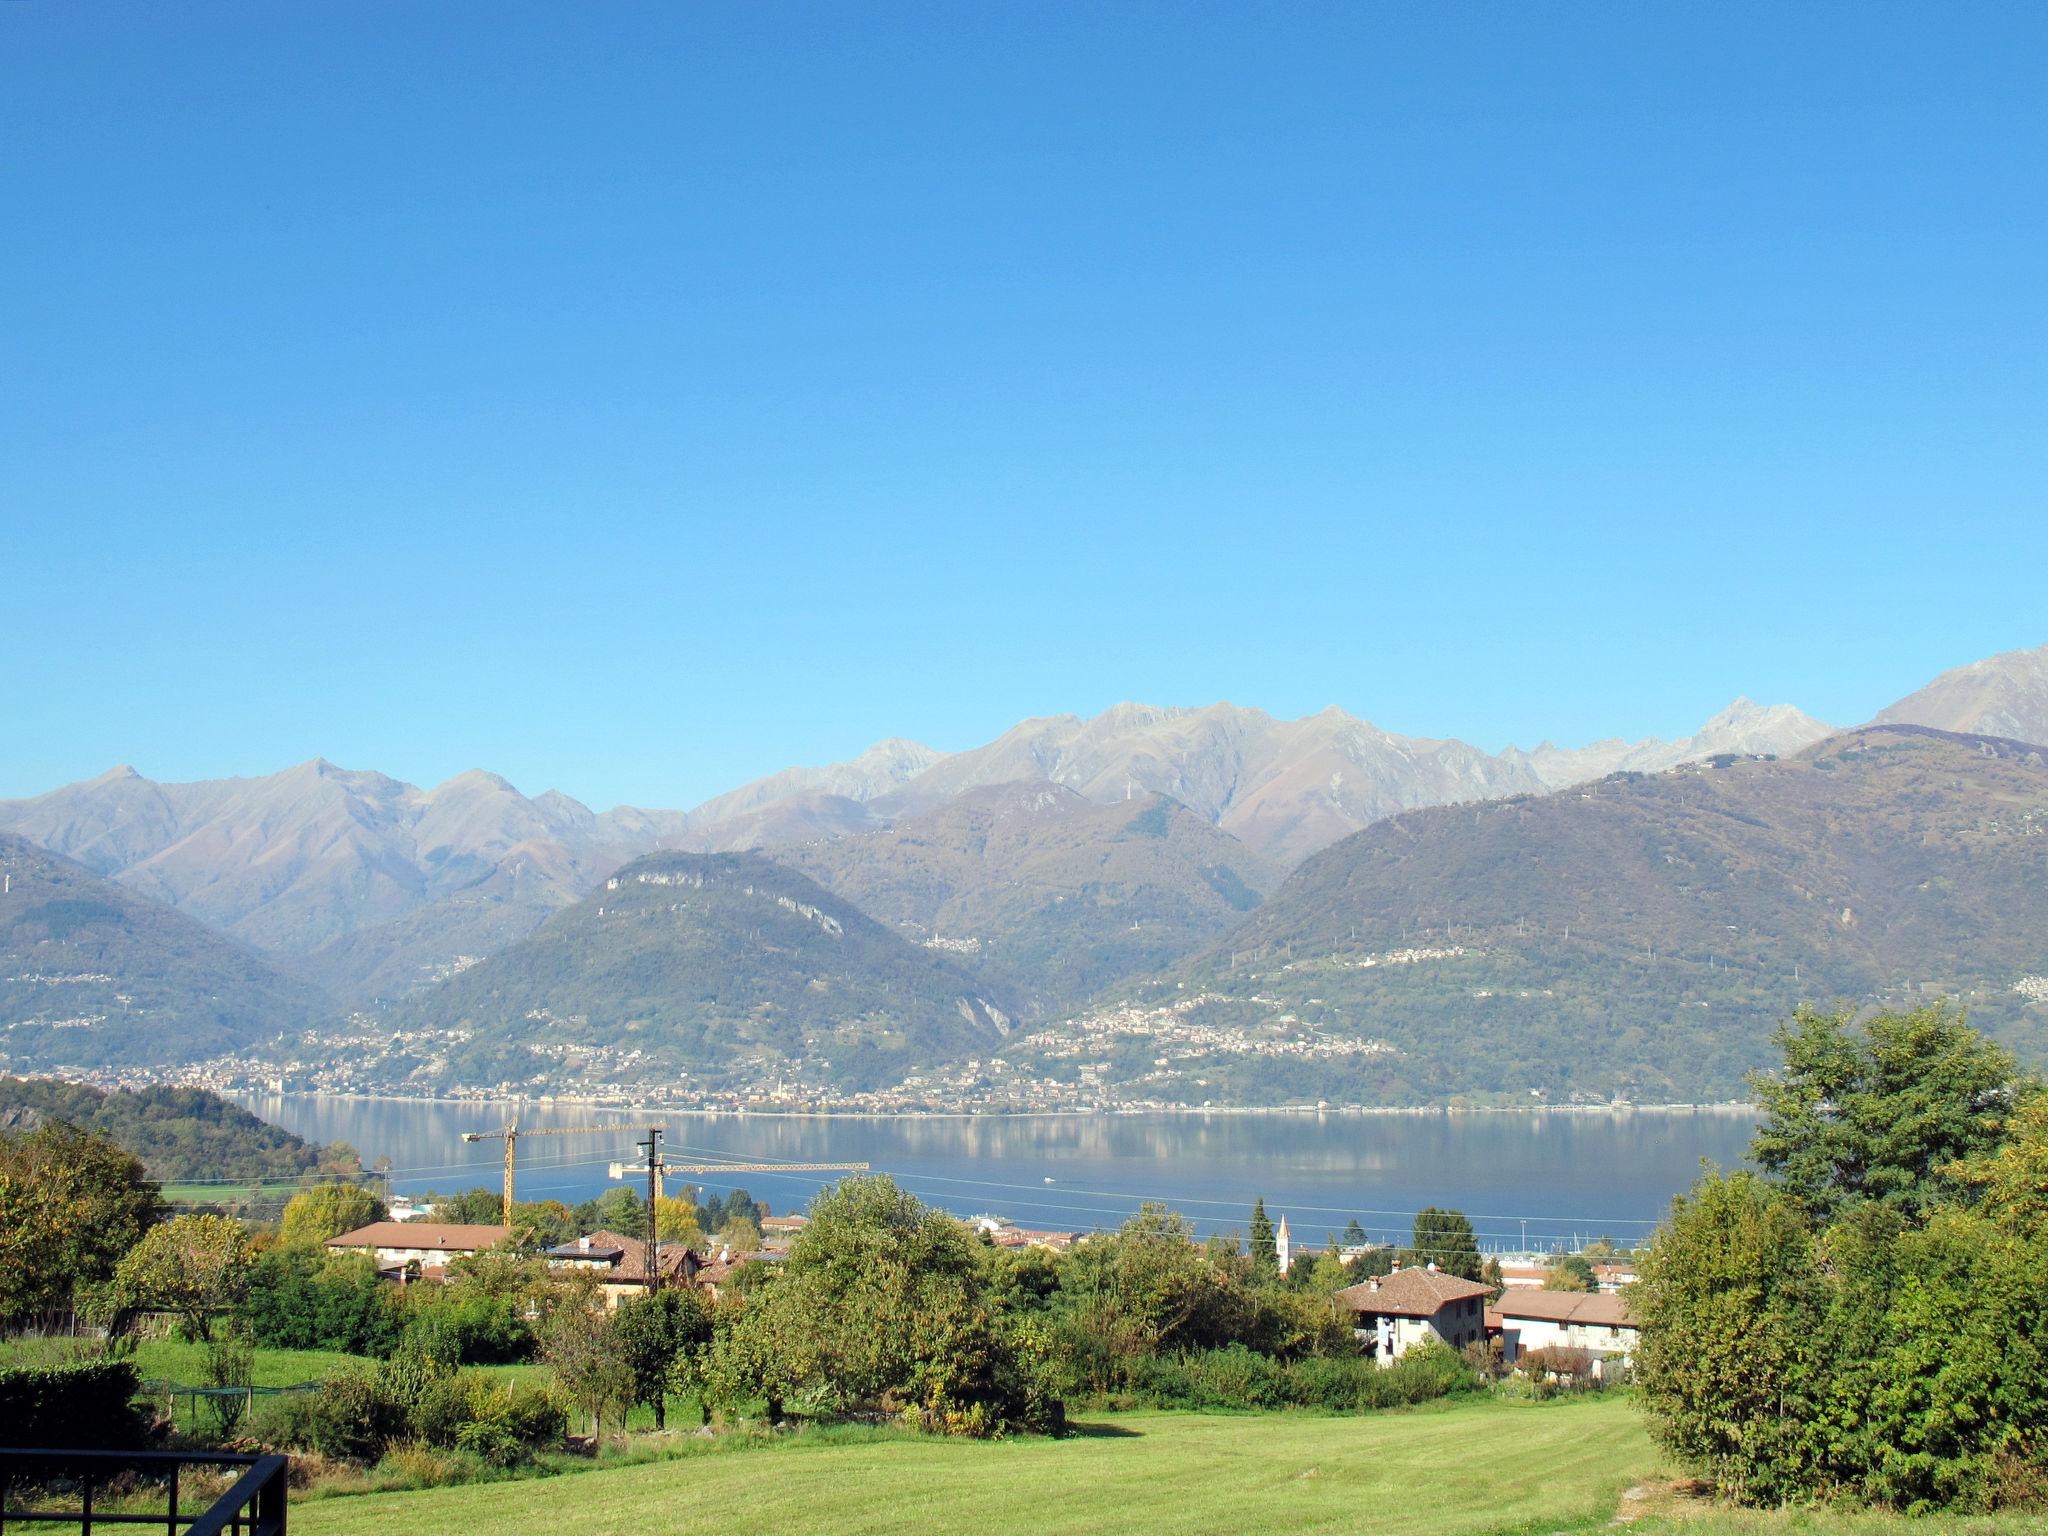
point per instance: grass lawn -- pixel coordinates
(175, 1360)
(1474, 1467)
(231, 1194)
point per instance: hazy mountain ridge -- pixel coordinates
(1049, 895)
(1641, 936)
(95, 975)
(1744, 728)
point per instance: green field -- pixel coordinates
(1473, 1468)
(1480, 1467)
(275, 1193)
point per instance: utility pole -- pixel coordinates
(653, 1220)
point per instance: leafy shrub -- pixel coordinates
(464, 1325)
(490, 1442)
(1431, 1371)
(440, 1410)
(349, 1419)
(1235, 1377)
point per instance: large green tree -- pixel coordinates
(1446, 1239)
(1880, 1110)
(882, 1305)
(196, 1266)
(1885, 1342)
(659, 1335)
(71, 1204)
(314, 1215)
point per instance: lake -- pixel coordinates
(1536, 1179)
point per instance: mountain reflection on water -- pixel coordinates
(1558, 1177)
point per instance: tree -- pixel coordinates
(675, 1221)
(1568, 1272)
(314, 1215)
(740, 1234)
(1445, 1238)
(883, 1305)
(581, 1348)
(622, 1210)
(658, 1334)
(71, 1204)
(1898, 1354)
(196, 1266)
(473, 1207)
(1730, 1309)
(299, 1298)
(1264, 1248)
(1354, 1234)
(2011, 1184)
(1883, 1111)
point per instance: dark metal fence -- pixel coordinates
(253, 1506)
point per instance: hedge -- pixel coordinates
(85, 1405)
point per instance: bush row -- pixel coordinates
(358, 1415)
(1237, 1377)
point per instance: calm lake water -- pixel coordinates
(1552, 1176)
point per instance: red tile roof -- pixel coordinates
(1411, 1293)
(451, 1236)
(1598, 1309)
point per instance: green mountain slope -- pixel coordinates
(1049, 895)
(706, 966)
(1640, 936)
(93, 975)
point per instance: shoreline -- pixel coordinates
(1730, 1108)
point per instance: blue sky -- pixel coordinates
(633, 399)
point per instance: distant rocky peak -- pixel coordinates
(2004, 695)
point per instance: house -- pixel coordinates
(619, 1264)
(1613, 1278)
(429, 1244)
(784, 1227)
(1598, 1321)
(1003, 1235)
(1394, 1313)
(598, 1250)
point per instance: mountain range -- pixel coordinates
(371, 888)
(1067, 864)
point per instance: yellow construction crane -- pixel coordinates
(510, 1134)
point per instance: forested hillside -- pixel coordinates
(698, 965)
(94, 975)
(1640, 936)
(178, 1133)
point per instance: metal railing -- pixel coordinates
(253, 1506)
